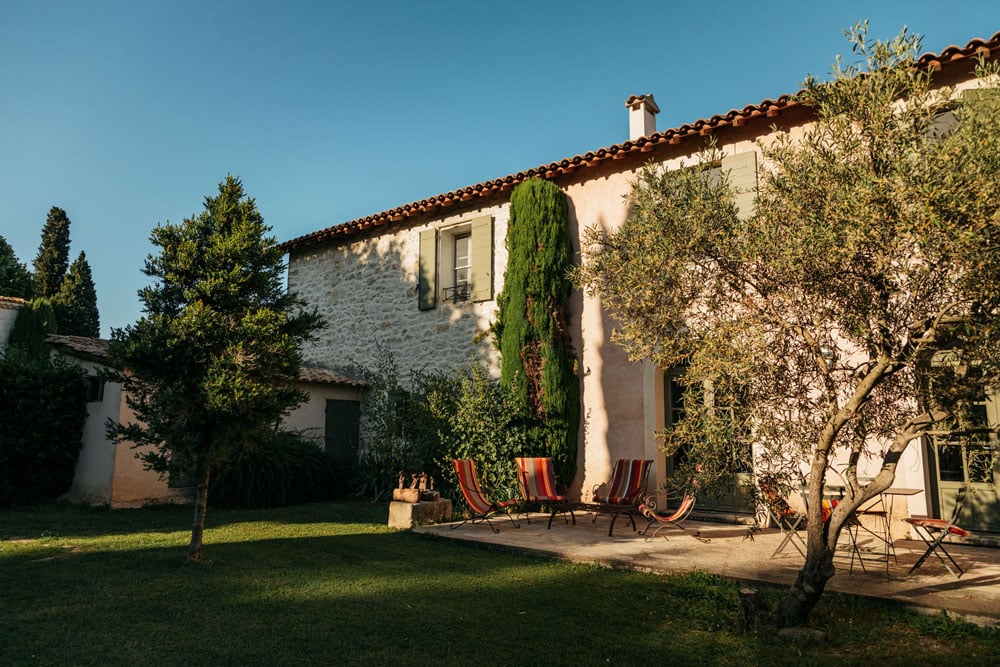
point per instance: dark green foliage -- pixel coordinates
(42, 411)
(399, 431)
(213, 364)
(538, 365)
(34, 322)
(53, 254)
(482, 421)
(282, 469)
(422, 426)
(76, 305)
(15, 279)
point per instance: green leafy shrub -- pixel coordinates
(399, 432)
(481, 421)
(284, 469)
(422, 424)
(43, 407)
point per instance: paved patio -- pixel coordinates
(731, 553)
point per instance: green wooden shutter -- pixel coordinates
(481, 251)
(427, 280)
(742, 169)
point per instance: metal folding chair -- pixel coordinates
(933, 532)
(538, 486)
(786, 519)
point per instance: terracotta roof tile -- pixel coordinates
(323, 376)
(768, 108)
(11, 302)
(94, 348)
(97, 349)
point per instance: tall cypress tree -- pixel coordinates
(76, 305)
(537, 362)
(53, 254)
(15, 279)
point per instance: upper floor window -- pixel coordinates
(461, 271)
(456, 263)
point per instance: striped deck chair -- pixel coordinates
(673, 520)
(480, 506)
(623, 493)
(538, 485)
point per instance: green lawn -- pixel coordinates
(330, 584)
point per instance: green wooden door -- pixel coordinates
(737, 497)
(970, 458)
(343, 434)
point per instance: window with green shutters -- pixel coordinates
(742, 169)
(456, 264)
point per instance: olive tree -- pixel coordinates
(851, 313)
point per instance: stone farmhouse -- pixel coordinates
(422, 279)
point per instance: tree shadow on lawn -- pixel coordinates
(351, 599)
(384, 598)
(69, 520)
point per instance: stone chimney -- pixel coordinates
(642, 112)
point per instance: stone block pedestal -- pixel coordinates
(406, 515)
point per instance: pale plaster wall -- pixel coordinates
(133, 485)
(310, 417)
(96, 465)
(111, 474)
(8, 315)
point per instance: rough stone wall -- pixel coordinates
(367, 291)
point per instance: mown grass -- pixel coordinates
(331, 584)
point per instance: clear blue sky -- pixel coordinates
(127, 114)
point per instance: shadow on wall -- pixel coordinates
(613, 391)
(368, 292)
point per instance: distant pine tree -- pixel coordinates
(537, 362)
(53, 254)
(76, 305)
(15, 279)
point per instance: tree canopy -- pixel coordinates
(824, 315)
(53, 254)
(15, 279)
(211, 366)
(76, 304)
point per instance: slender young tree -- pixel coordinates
(537, 363)
(855, 311)
(15, 279)
(53, 254)
(76, 305)
(212, 364)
